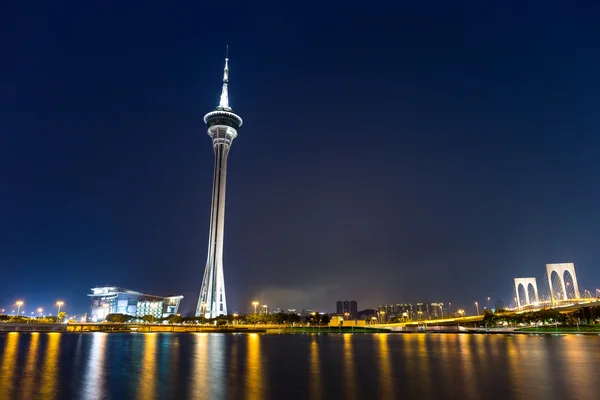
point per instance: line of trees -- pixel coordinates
(587, 315)
(277, 318)
(22, 319)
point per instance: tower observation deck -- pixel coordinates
(222, 124)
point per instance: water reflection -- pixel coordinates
(424, 377)
(578, 361)
(213, 366)
(29, 375)
(173, 366)
(147, 382)
(48, 387)
(200, 380)
(209, 375)
(94, 377)
(254, 373)
(9, 363)
(314, 376)
(385, 367)
(349, 381)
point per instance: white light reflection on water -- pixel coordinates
(94, 377)
(209, 374)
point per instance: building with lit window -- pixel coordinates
(116, 300)
(347, 308)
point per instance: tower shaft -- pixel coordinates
(212, 301)
(222, 128)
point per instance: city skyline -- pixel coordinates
(411, 159)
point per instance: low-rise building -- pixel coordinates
(112, 299)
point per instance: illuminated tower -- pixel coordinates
(222, 124)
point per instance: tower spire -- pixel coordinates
(224, 103)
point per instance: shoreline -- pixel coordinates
(91, 328)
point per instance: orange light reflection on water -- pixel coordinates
(314, 367)
(8, 363)
(349, 382)
(147, 388)
(200, 381)
(254, 372)
(385, 367)
(29, 375)
(48, 387)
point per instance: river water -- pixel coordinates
(338, 366)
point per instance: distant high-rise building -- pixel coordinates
(347, 306)
(499, 304)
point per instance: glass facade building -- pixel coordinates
(112, 300)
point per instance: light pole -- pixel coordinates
(203, 311)
(477, 305)
(19, 304)
(449, 312)
(488, 303)
(40, 310)
(59, 304)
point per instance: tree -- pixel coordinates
(61, 316)
(488, 317)
(149, 318)
(174, 319)
(325, 319)
(116, 317)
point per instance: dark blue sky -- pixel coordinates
(427, 151)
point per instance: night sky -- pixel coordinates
(429, 151)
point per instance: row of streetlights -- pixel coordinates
(488, 304)
(40, 310)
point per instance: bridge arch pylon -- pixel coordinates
(526, 282)
(560, 270)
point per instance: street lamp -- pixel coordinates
(40, 310)
(477, 305)
(203, 308)
(19, 304)
(255, 304)
(488, 303)
(59, 304)
(449, 312)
